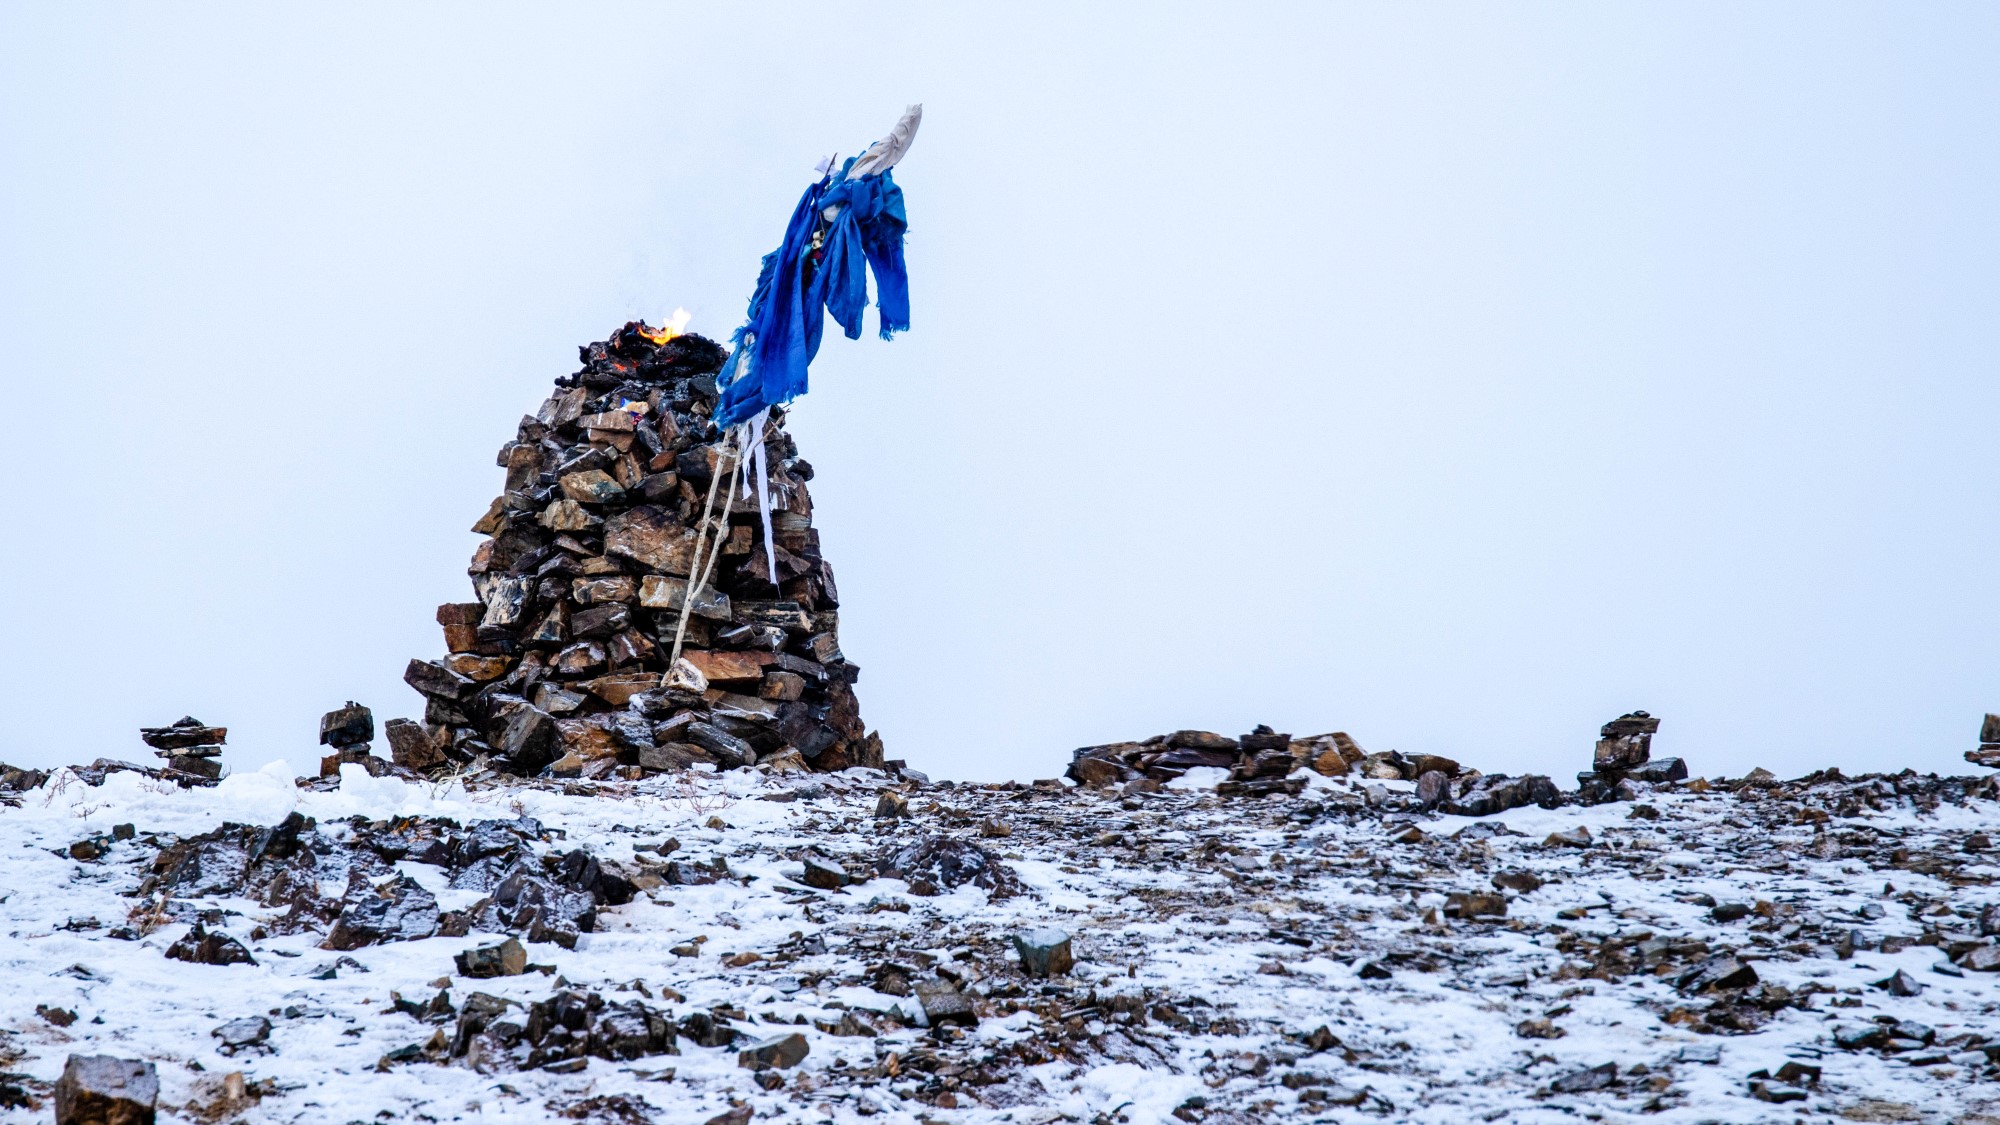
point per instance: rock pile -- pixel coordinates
(527, 887)
(559, 667)
(1988, 754)
(1624, 753)
(189, 746)
(349, 731)
(1265, 762)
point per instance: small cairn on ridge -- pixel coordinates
(1265, 762)
(1988, 754)
(1624, 754)
(561, 666)
(189, 746)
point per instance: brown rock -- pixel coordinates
(567, 515)
(1330, 762)
(507, 603)
(779, 1051)
(1625, 742)
(587, 739)
(524, 465)
(1422, 764)
(600, 621)
(1474, 904)
(552, 629)
(729, 667)
(477, 668)
(653, 537)
(619, 689)
(460, 613)
(784, 687)
(437, 681)
(600, 591)
(577, 659)
(1200, 740)
(673, 756)
(1096, 772)
(494, 520)
(662, 592)
(185, 733)
(508, 958)
(460, 638)
(593, 486)
(102, 1090)
(411, 746)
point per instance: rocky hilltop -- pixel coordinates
(1187, 929)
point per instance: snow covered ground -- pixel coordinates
(1306, 958)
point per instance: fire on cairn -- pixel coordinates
(561, 666)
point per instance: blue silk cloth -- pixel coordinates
(771, 352)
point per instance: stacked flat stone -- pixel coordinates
(189, 746)
(559, 666)
(1988, 754)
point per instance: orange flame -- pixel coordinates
(674, 326)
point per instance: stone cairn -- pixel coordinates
(189, 746)
(1624, 754)
(559, 667)
(1988, 754)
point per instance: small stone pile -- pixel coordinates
(189, 746)
(559, 667)
(1265, 762)
(1624, 754)
(1988, 754)
(348, 730)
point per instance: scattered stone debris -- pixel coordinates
(1279, 959)
(939, 864)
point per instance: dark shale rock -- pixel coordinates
(1626, 742)
(779, 1051)
(503, 959)
(204, 948)
(102, 1090)
(248, 1033)
(1045, 952)
(412, 747)
(947, 863)
(186, 733)
(1497, 793)
(943, 1003)
(352, 725)
(397, 909)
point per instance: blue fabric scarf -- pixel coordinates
(771, 352)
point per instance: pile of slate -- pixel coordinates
(190, 747)
(1624, 755)
(559, 666)
(1988, 754)
(1266, 762)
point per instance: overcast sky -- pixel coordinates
(1456, 376)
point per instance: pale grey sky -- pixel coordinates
(1458, 376)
